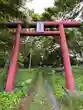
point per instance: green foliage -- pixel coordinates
(57, 81)
(56, 77)
(9, 101)
(7, 11)
(42, 50)
(3, 78)
(65, 5)
(10, 11)
(72, 103)
(35, 17)
(41, 99)
(74, 38)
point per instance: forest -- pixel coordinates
(40, 62)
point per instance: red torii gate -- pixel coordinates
(70, 83)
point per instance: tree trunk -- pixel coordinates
(30, 60)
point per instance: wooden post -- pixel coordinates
(70, 84)
(14, 60)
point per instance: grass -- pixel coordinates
(56, 77)
(41, 100)
(3, 78)
(72, 103)
(23, 81)
(24, 76)
(57, 81)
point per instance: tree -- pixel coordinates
(59, 11)
(10, 11)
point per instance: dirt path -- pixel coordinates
(27, 101)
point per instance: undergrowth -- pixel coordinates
(56, 78)
(24, 80)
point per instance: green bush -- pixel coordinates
(8, 101)
(72, 103)
(57, 81)
(3, 77)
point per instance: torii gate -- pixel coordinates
(70, 83)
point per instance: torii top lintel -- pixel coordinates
(67, 24)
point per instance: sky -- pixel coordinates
(39, 5)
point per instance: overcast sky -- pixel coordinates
(39, 5)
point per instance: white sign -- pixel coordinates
(40, 27)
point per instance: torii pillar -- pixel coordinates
(14, 62)
(70, 83)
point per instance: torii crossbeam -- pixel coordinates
(60, 25)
